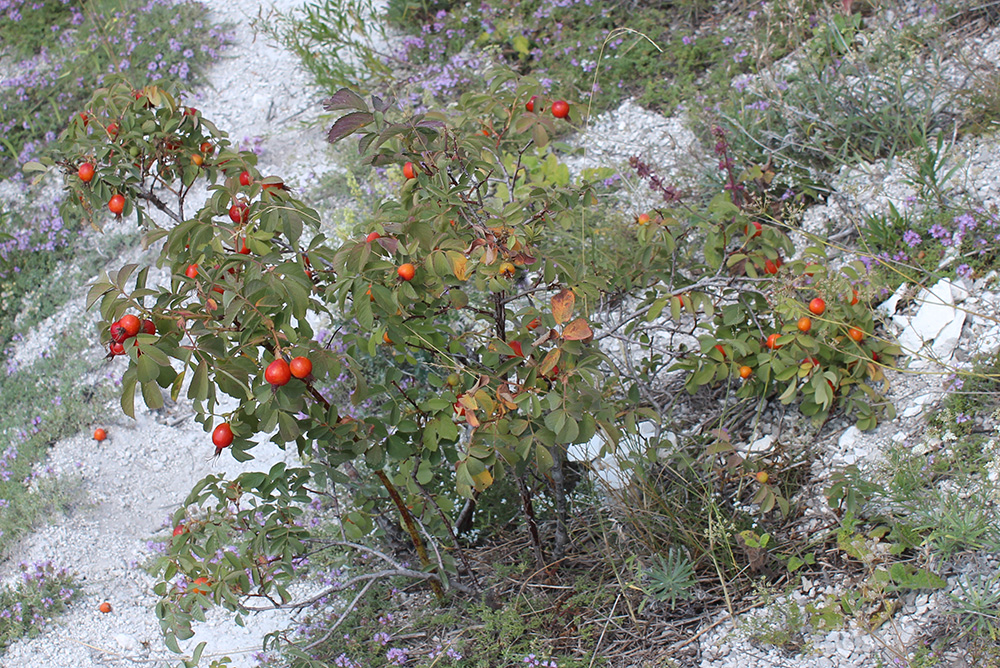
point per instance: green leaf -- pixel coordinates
(97, 290)
(288, 428)
(656, 309)
(555, 420)
(520, 44)
(128, 395)
(151, 395)
(196, 655)
(543, 458)
(789, 393)
(569, 432)
(199, 384)
(252, 480)
(147, 369)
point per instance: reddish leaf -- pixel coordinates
(476, 243)
(388, 243)
(578, 330)
(506, 397)
(345, 99)
(348, 124)
(562, 306)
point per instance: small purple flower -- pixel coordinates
(911, 238)
(396, 656)
(941, 234)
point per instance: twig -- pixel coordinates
(343, 616)
(682, 645)
(368, 578)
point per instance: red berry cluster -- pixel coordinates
(125, 328)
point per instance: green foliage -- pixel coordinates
(471, 379)
(523, 397)
(476, 369)
(972, 393)
(782, 624)
(405, 13)
(378, 631)
(699, 68)
(597, 52)
(934, 165)
(36, 282)
(976, 608)
(671, 579)
(834, 359)
(339, 42)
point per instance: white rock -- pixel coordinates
(849, 438)
(127, 643)
(918, 405)
(933, 333)
(761, 446)
(889, 306)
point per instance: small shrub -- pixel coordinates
(40, 593)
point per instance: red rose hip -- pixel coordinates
(116, 204)
(86, 172)
(300, 367)
(278, 373)
(222, 437)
